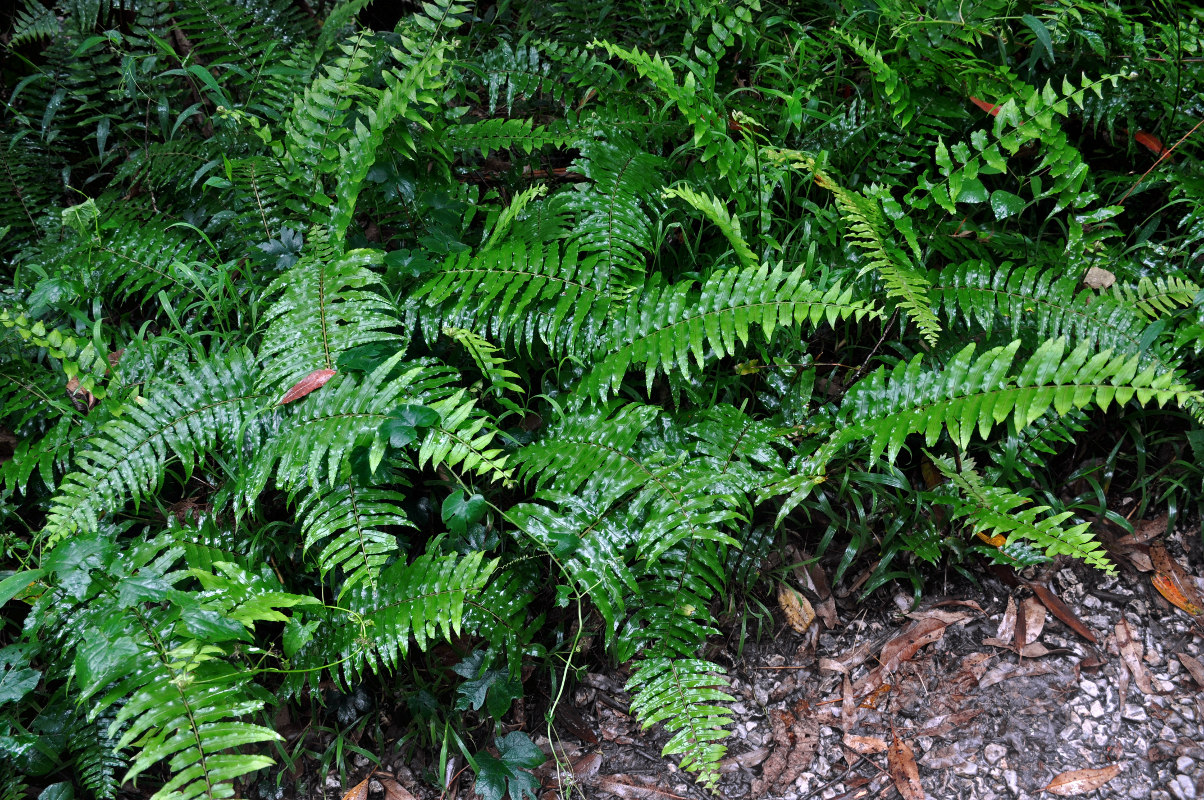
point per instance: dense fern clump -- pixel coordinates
(420, 358)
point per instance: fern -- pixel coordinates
(991, 511)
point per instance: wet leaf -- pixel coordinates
(901, 761)
(1007, 625)
(1130, 653)
(990, 108)
(1097, 278)
(1062, 611)
(1082, 781)
(798, 610)
(314, 380)
(358, 792)
(1150, 142)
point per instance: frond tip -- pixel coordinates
(684, 693)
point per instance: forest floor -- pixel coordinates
(1064, 681)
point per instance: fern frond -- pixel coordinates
(870, 231)
(728, 224)
(212, 402)
(518, 293)
(685, 694)
(978, 393)
(422, 602)
(352, 522)
(612, 216)
(1156, 298)
(663, 328)
(990, 511)
(324, 305)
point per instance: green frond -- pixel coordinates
(33, 23)
(209, 404)
(991, 511)
(517, 293)
(1159, 297)
(612, 218)
(975, 394)
(685, 695)
(484, 355)
(324, 305)
(664, 327)
(728, 224)
(352, 523)
(491, 135)
(414, 604)
(870, 230)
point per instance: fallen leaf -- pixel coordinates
(314, 380)
(1007, 625)
(1130, 653)
(865, 745)
(1194, 667)
(795, 742)
(744, 760)
(359, 791)
(1167, 588)
(1005, 672)
(908, 643)
(1062, 611)
(623, 786)
(393, 789)
(798, 610)
(901, 761)
(1097, 278)
(945, 724)
(1172, 581)
(1034, 620)
(1082, 781)
(947, 617)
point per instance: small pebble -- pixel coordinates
(1184, 764)
(1091, 688)
(1012, 780)
(1096, 710)
(1182, 788)
(995, 752)
(1134, 713)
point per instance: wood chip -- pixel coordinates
(1082, 781)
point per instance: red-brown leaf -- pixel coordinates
(1082, 781)
(1150, 142)
(901, 760)
(1062, 611)
(990, 108)
(314, 380)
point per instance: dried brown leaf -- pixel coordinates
(1098, 278)
(908, 643)
(359, 791)
(1130, 653)
(1007, 625)
(314, 380)
(393, 789)
(1172, 581)
(1194, 667)
(744, 760)
(947, 617)
(1082, 781)
(798, 610)
(901, 762)
(1062, 611)
(865, 745)
(625, 787)
(1034, 620)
